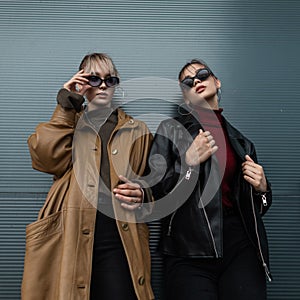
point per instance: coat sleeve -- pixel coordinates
(50, 146)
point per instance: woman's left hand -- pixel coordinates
(254, 174)
(129, 193)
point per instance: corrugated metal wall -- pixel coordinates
(253, 47)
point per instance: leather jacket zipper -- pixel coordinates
(209, 229)
(187, 177)
(268, 274)
(170, 223)
(208, 225)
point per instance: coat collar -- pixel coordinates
(124, 121)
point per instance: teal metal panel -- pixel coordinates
(253, 47)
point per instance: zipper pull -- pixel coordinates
(268, 274)
(169, 230)
(264, 199)
(188, 173)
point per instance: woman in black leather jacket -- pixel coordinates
(214, 242)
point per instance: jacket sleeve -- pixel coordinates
(169, 175)
(50, 145)
(138, 162)
(262, 200)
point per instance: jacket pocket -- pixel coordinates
(44, 239)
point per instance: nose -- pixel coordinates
(102, 85)
(196, 80)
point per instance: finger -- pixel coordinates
(130, 206)
(214, 149)
(206, 133)
(128, 198)
(249, 164)
(123, 178)
(248, 158)
(208, 153)
(83, 88)
(130, 187)
(80, 79)
(248, 167)
(82, 73)
(251, 180)
(254, 168)
(129, 193)
(212, 143)
(258, 184)
(249, 173)
(209, 138)
(127, 183)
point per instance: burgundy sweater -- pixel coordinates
(213, 121)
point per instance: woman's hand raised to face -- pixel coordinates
(201, 149)
(78, 83)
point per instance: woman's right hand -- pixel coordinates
(78, 83)
(201, 149)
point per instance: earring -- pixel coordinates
(184, 109)
(120, 99)
(219, 94)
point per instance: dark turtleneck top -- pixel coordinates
(106, 235)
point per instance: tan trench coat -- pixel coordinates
(59, 245)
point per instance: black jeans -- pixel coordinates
(111, 277)
(237, 276)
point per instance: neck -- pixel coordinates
(213, 102)
(98, 107)
(214, 105)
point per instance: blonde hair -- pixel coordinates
(90, 61)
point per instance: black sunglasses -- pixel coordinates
(96, 81)
(201, 74)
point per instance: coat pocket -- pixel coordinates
(44, 239)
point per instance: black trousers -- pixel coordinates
(111, 277)
(237, 276)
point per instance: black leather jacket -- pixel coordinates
(194, 229)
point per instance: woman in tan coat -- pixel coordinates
(89, 241)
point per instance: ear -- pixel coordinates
(218, 83)
(185, 95)
(187, 101)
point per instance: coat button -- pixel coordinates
(115, 151)
(86, 231)
(141, 280)
(125, 226)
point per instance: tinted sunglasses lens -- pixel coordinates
(189, 82)
(111, 81)
(94, 81)
(202, 74)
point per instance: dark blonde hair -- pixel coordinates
(102, 59)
